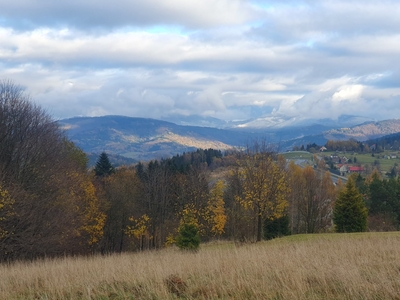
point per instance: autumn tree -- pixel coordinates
(311, 198)
(350, 213)
(123, 192)
(38, 167)
(265, 187)
(157, 181)
(240, 221)
(296, 197)
(215, 211)
(6, 210)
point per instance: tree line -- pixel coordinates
(51, 204)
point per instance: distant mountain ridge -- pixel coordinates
(144, 139)
(365, 131)
(269, 122)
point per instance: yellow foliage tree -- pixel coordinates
(215, 214)
(265, 187)
(93, 218)
(139, 226)
(189, 215)
(6, 204)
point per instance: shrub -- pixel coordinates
(276, 227)
(188, 237)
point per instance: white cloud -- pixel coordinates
(348, 93)
(227, 58)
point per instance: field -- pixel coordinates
(363, 159)
(326, 266)
(368, 159)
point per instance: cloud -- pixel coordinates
(231, 59)
(114, 14)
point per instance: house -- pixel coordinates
(356, 169)
(323, 148)
(343, 169)
(335, 159)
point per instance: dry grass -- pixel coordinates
(331, 266)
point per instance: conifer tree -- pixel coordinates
(103, 166)
(350, 213)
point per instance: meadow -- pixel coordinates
(368, 159)
(320, 266)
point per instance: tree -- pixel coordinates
(264, 185)
(277, 227)
(103, 166)
(45, 207)
(188, 238)
(122, 191)
(216, 209)
(311, 199)
(350, 213)
(188, 233)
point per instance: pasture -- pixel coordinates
(319, 266)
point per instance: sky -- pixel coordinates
(228, 59)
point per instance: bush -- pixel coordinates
(188, 238)
(276, 228)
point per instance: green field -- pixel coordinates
(368, 159)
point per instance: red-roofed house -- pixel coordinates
(356, 169)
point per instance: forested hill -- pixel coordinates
(145, 139)
(365, 131)
(391, 141)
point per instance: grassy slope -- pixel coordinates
(328, 266)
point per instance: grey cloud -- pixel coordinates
(317, 58)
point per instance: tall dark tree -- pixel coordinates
(103, 166)
(350, 213)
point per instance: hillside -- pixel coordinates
(144, 139)
(365, 131)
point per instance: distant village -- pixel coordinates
(345, 165)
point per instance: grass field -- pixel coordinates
(368, 159)
(326, 266)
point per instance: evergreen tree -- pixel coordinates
(277, 227)
(188, 237)
(103, 166)
(350, 213)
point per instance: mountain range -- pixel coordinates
(145, 139)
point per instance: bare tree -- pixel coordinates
(38, 172)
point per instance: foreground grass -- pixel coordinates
(329, 266)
